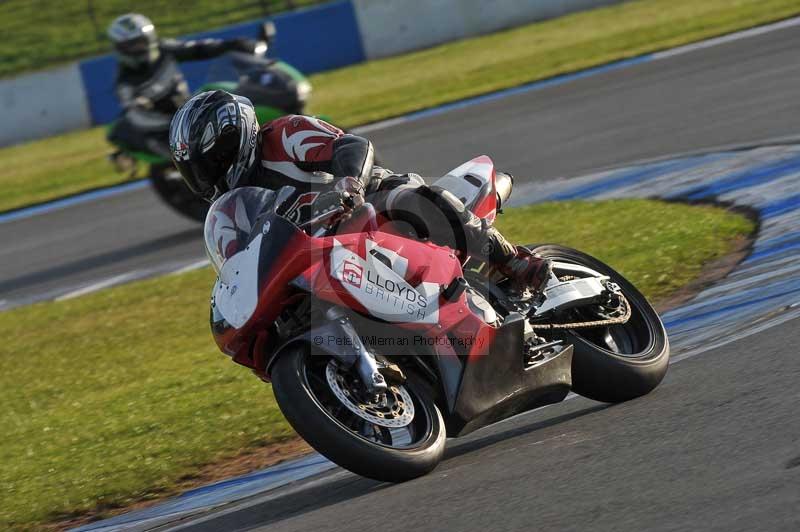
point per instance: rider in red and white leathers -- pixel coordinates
(325, 164)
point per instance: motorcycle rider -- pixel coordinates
(149, 85)
(217, 145)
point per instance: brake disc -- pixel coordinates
(393, 408)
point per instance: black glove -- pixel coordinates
(243, 44)
(326, 202)
(348, 192)
(351, 190)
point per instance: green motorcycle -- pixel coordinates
(275, 88)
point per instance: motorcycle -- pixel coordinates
(379, 345)
(274, 87)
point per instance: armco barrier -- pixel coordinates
(41, 104)
(391, 27)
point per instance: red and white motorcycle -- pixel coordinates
(378, 345)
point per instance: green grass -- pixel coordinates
(56, 167)
(380, 89)
(39, 33)
(112, 397)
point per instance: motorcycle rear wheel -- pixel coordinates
(619, 362)
(170, 187)
(307, 401)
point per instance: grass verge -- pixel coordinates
(40, 33)
(375, 90)
(116, 396)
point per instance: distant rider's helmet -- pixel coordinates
(213, 139)
(135, 40)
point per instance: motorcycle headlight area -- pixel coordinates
(303, 90)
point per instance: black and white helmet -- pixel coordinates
(135, 40)
(213, 139)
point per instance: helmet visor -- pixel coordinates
(212, 163)
(139, 46)
(198, 177)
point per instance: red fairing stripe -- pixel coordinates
(487, 208)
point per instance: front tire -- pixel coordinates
(619, 362)
(311, 408)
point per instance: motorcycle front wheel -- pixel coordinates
(393, 438)
(618, 362)
(168, 184)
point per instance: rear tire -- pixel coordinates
(642, 348)
(173, 191)
(306, 414)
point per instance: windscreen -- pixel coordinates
(230, 221)
(233, 65)
(222, 69)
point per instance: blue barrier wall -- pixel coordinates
(324, 37)
(312, 40)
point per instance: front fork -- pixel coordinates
(365, 363)
(337, 338)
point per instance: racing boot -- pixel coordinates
(528, 269)
(525, 268)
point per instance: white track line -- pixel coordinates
(192, 266)
(724, 39)
(94, 287)
(127, 277)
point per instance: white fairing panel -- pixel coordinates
(236, 291)
(470, 182)
(221, 232)
(381, 289)
(229, 222)
(399, 264)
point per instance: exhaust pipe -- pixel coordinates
(503, 183)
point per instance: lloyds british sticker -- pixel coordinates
(382, 291)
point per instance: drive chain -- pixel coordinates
(586, 324)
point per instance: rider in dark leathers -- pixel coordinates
(149, 84)
(217, 145)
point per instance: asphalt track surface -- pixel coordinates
(715, 447)
(742, 91)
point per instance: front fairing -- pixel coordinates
(253, 283)
(250, 246)
(385, 277)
